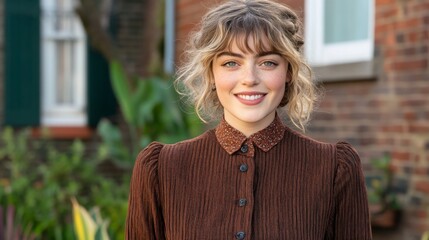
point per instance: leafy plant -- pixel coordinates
(40, 187)
(152, 112)
(88, 225)
(380, 186)
(9, 229)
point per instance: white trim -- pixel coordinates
(320, 54)
(54, 112)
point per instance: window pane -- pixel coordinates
(346, 20)
(63, 53)
(64, 78)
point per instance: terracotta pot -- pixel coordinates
(388, 219)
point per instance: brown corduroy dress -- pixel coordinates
(276, 184)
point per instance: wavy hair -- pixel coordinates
(237, 20)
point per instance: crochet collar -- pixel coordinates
(231, 139)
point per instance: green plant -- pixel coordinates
(380, 186)
(45, 179)
(152, 112)
(9, 229)
(88, 225)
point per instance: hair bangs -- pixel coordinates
(240, 29)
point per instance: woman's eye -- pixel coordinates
(269, 64)
(230, 64)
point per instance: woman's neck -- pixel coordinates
(249, 128)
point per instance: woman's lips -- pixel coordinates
(250, 98)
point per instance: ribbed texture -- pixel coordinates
(300, 189)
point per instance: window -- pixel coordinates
(63, 65)
(52, 77)
(339, 31)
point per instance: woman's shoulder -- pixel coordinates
(200, 141)
(347, 156)
(156, 150)
(307, 142)
(148, 156)
(342, 152)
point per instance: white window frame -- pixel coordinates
(54, 113)
(320, 54)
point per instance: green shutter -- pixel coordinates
(22, 65)
(101, 100)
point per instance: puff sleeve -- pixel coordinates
(351, 217)
(144, 218)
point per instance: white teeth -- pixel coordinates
(250, 97)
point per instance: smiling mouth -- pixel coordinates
(250, 97)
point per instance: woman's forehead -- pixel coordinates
(255, 42)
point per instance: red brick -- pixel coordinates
(390, 52)
(405, 142)
(326, 104)
(421, 171)
(385, 141)
(408, 65)
(422, 128)
(409, 24)
(347, 104)
(387, 13)
(383, 27)
(422, 186)
(402, 156)
(368, 141)
(393, 128)
(413, 103)
(384, 2)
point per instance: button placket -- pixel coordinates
(246, 169)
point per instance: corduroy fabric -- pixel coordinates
(297, 189)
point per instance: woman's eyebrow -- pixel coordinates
(233, 54)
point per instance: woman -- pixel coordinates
(251, 177)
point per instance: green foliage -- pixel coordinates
(89, 225)
(9, 226)
(41, 189)
(152, 112)
(40, 180)
(380, 186)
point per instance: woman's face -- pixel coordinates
(249, 85)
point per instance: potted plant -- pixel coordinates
(383, 199)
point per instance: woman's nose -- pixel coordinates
(250, 77)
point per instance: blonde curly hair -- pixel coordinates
(259, 19)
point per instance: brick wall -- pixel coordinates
(188, 15)
(130, 18)
(390, 114)
(385, 115)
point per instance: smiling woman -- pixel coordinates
(251, 177)
(250, 85)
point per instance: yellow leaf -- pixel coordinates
(85, 226)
